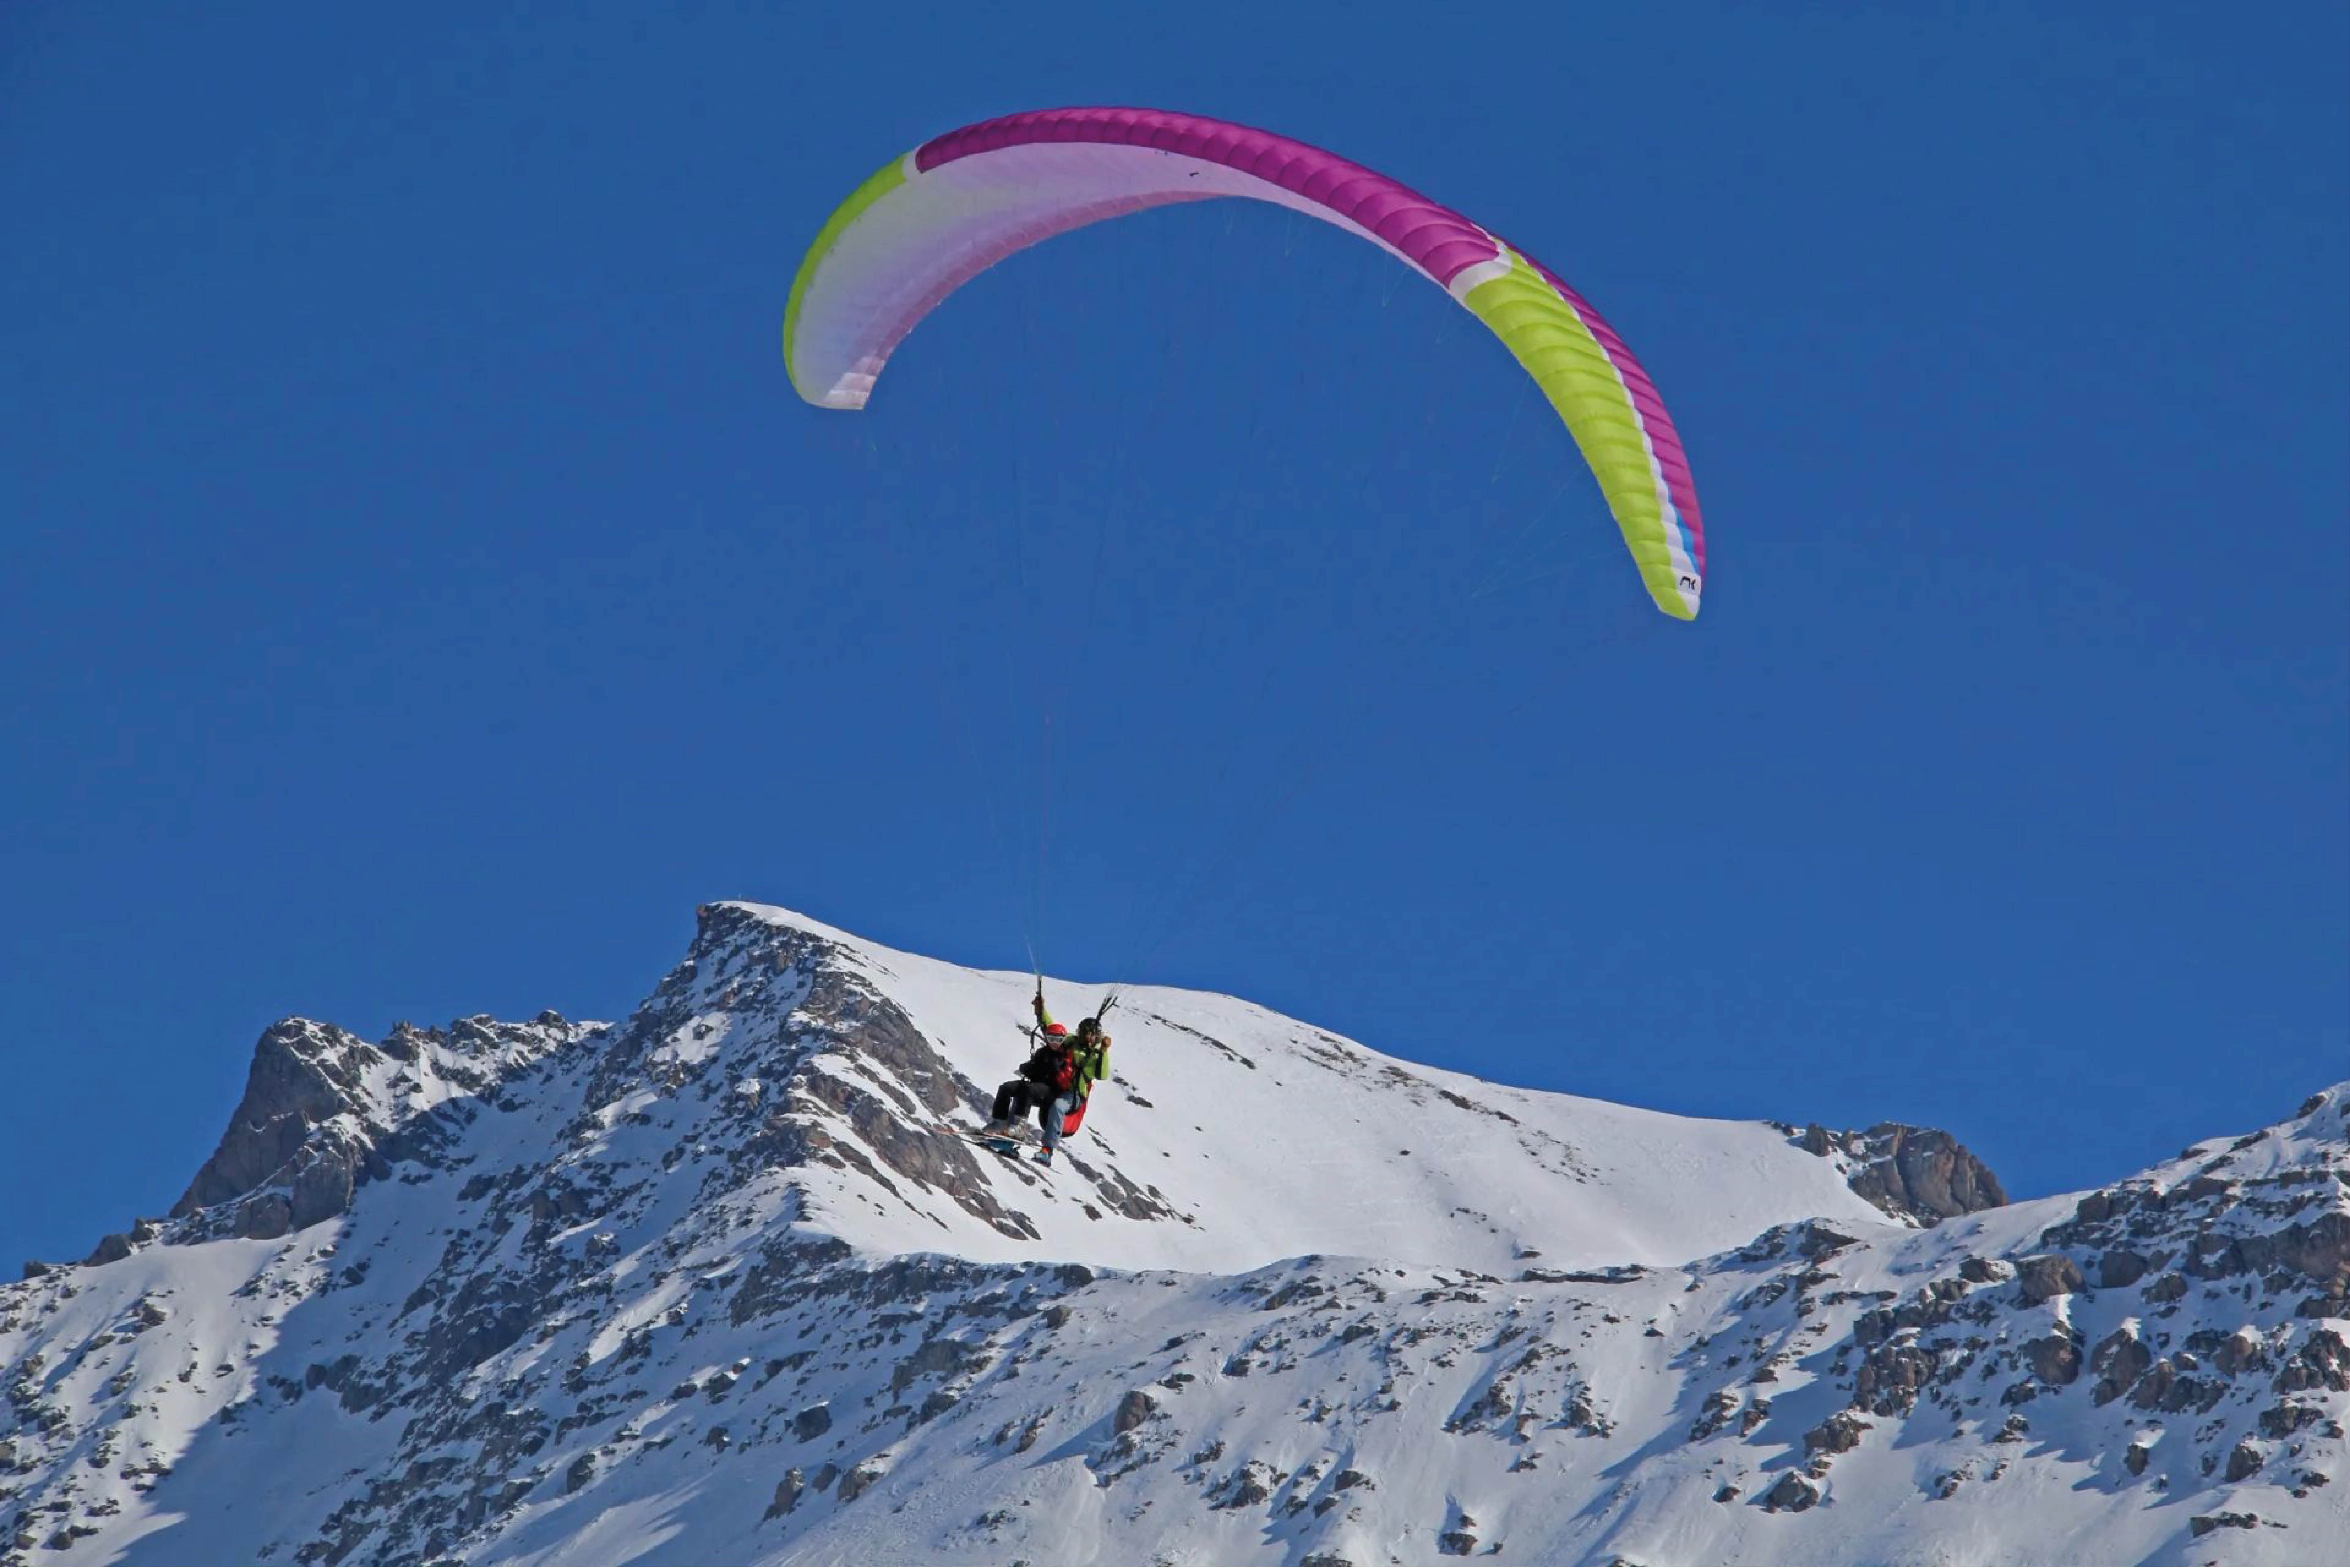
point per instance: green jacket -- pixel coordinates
(1093, 1061)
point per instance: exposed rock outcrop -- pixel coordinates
(2046, 1277)
(1918, 1174)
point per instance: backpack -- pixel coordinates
(1059, 1065)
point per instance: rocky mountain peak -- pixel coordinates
(1917, 1174)
(324, 1113)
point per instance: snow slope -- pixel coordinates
(1269, 1138)
(722, 1283)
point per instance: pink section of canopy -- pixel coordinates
(1011, 230)
(1437, 240)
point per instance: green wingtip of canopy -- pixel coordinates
(1546, 338)
(884, 179)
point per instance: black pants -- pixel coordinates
(1015, 1099)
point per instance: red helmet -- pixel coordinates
(1056, 1029)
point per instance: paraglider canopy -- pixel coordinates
(929, 222)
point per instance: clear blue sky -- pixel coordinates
(422, 586)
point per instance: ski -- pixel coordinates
(1020, 1152)
(999, 1144)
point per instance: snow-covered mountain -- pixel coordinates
(723, 1282)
